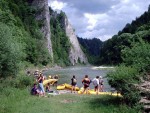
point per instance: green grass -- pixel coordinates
(13, 100)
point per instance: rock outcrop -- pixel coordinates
(144, 88)
(76, 54)
(43, 15)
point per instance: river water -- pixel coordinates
(65, 75)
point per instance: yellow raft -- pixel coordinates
(61, 87)
(51, 81)
(99, 93)
(66, 86)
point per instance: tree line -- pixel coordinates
(92, 49)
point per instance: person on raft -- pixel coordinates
(86, 83)
(95, 82)
(73, 83)
(41, 87)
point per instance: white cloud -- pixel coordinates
(125, 1)
(101, 19)
(55, 5)
(104, 37)
(91, 33)
(93, 19)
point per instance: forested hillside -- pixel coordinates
(130, 50)
(92, 48)
(132, 33)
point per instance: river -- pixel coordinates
(65, 74)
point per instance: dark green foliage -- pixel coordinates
(21, 82)
(10, 52)
(138, 29)
(111, 50)
(37, 54)
(60, 41)
(92, 45)
(123, 79)
(92, 49)
(138, 56)
(21, 39)
(131, 48)
(34, 53)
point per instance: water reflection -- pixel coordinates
(65, 75)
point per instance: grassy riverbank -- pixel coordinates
(14, 100)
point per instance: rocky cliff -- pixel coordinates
(44, 16)
(76, 55)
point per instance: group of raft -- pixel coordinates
(73, 86)
(66, 86)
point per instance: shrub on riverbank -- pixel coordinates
(123, 80)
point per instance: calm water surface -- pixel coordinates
(65, 75)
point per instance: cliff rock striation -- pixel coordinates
(44, 16)
(76, 55)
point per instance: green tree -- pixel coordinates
(10, 52)
(137, 56)
(123, 80)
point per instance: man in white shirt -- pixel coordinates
(96, 84)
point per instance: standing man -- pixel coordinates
(96, 84)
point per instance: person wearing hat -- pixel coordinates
(101, 84)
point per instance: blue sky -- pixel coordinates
(100, 18)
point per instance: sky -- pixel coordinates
(100, 18)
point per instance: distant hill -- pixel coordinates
(133, 32)
(92, 48)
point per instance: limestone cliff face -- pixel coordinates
(43, 15)
(76, 55)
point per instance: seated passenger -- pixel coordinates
(48, 87)
(34, 90)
